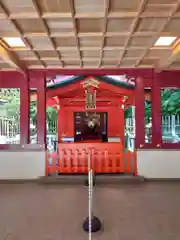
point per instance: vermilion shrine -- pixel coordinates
(90, 40)
(112, 98)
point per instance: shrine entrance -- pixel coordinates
(91, 122)
(90, 126)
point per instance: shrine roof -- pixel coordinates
(119, 81)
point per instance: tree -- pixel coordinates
(12, 107)
(170, 103)
(128, 111)
(33, 112)
(51, 113)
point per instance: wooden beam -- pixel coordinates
(169, 57)
(146, 73)
(47, 31)
(105, 22)
(11, 58)
(15, 26)
(171, 13)
(89, 15)
(75, 30)
(136, 20)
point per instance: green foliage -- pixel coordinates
(51, 113)
(12, 106)
(33, 112)
(170, 103)
(128, 112)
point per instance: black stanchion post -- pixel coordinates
(91, 223)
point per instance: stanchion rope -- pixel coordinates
(90, 188)
(91, 223)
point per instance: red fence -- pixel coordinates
(105, 158)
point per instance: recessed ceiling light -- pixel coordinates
(14, 42)
(165, 41)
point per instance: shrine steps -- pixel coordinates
(99, 179)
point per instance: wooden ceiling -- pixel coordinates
(89, 33)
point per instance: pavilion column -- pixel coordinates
(24, 110)
(41, 111)
(139, 104)
(60, 123)
(1, 80)
(121, 116)
(133, 108)
(156, 112)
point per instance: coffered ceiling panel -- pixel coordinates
(84, 33)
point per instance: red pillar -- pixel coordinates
(1, 79)
(59, 125)
(139, 112)
(156, 112)
(41, 110)
(24, 110)
(121, 117)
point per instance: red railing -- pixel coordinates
(105, 158)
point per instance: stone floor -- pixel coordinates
(148, 211)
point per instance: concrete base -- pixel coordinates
(158, 164)
(151, 164)
(22, 165)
